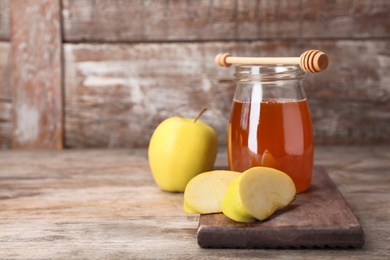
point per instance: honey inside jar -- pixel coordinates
(275, 133)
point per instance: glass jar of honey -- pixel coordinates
(270, 123)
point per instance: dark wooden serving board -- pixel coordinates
(319, 218)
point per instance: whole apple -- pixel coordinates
(180, 149)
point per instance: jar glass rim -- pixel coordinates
(269, 72)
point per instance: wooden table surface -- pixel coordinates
(104, 204)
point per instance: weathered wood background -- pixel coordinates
(115, 69)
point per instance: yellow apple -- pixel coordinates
(180, 149)
(257, 193)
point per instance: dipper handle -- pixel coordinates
(312, 61)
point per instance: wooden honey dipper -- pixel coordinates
(313, 61)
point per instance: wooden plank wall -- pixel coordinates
(127, 65)
(5, 89)
(36, 74)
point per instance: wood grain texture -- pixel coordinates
(317, 218)
(5, 89)
(103, 204)
(155, 20)
(117, 94)
(115, 102)
(4, 20)
(5, 98)
(36, 74)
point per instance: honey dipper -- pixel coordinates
(313, 61)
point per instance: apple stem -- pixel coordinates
(200, 114)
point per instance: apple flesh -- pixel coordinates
(205, 192)
(179, 149)
(257, 193)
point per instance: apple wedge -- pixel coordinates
(257, 193)
(205, 192)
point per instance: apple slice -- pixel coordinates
(257, 193)
(187, 208)
(205, 192)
